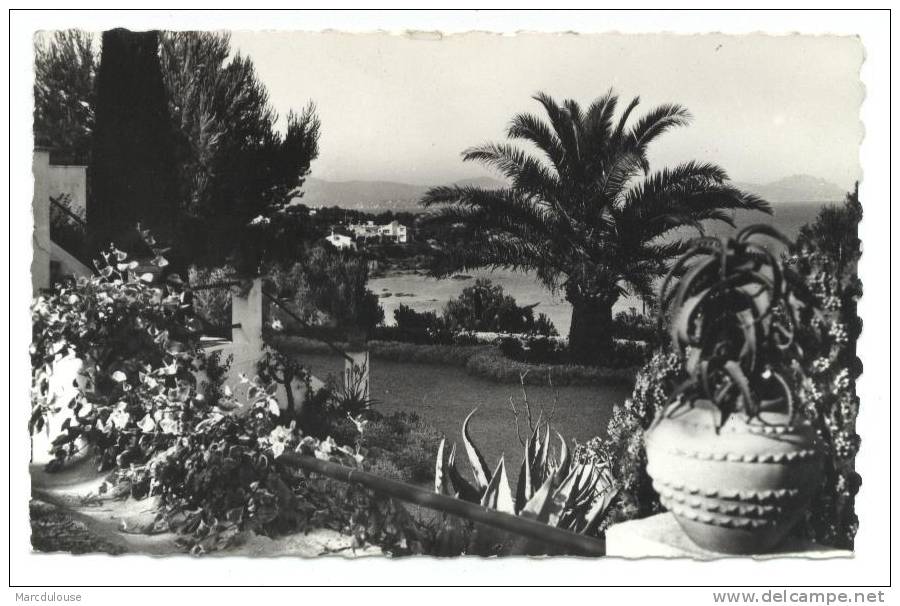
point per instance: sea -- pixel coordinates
(423, 293)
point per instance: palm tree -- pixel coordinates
(586, 214)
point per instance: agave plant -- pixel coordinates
(551, 488)
(350, 395)
(733, 312)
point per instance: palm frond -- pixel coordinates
(507, 209)
(530, 128)
(526, 172)
(656, 122)
(598, 121)
(685, 195)
(493, 250)
(564, 128)
(623, 119)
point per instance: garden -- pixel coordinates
(729, 405)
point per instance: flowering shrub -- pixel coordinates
(213, 462)
(624, 446)
(131, 361)
(827, 394)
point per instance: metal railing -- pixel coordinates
(70, 233)
(55, 202)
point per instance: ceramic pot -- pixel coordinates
(737, 489)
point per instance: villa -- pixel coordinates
(392, 232)
(340, 241)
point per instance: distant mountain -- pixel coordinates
(390, 195)
(375, 195)
(796, 188)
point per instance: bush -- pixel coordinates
(399, 445)
(453, 355)
(544, 350)
(213, 305)
(132, 398)
(624, 446)
(633, 326)
(417, 327)
(118, 326)
(329, 287)
(511, 347)
(403, 440)
(491, 363)
(827, 394)
(484, 307)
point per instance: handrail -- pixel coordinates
(306, 324)
(55, 202)
(281, 305)
(570, 542)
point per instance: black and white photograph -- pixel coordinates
(303, 294)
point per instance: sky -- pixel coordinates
(398, 107)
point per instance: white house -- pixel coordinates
(364, 230)
(393, 231)
(340, 241)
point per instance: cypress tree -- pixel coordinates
(133, 171)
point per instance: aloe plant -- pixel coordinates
(551, 487)
(733, 310)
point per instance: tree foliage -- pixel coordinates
(133, 168)
(585, 213)
(329, 286)
(230, 160)
(236, 164)
(835, 233)
(484, 306)
(65, 65)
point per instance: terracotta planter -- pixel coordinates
(740, 489)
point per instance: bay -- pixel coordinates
(423, 293)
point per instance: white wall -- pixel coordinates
(40, 206)
(69, 179)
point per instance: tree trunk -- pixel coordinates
(591, 334)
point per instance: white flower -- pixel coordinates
(168, 425)
(119, 418)
(278, 440)
(260, 220)
(842, 380)
(146, 424)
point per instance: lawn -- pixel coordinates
(444, 395)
